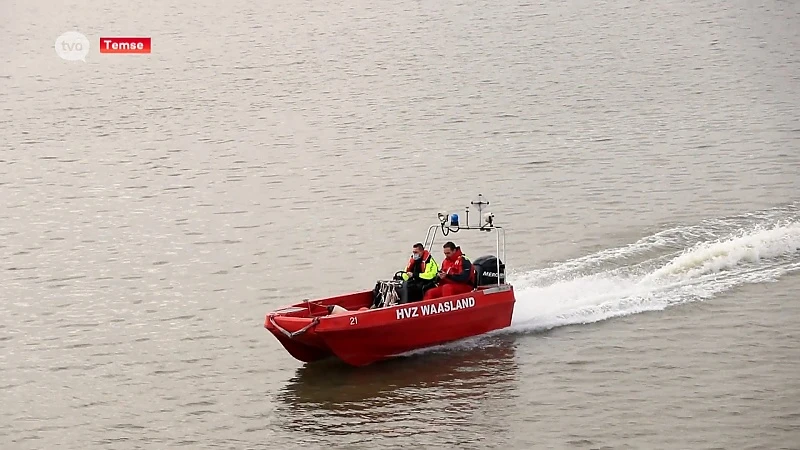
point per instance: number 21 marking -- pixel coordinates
(354, 320)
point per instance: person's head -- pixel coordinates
(449, 249)
(417, 250)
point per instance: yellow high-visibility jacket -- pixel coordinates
(429, 267)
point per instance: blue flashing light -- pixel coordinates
(454, 220)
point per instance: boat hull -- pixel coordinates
(363, 337)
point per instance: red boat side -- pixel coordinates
(362, 337)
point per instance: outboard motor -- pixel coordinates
(486, 271)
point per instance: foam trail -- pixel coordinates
(659, 246)
(746, 248)
(703, 270)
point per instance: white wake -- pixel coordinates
(565, 294)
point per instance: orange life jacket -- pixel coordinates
(454, 265)
(426, 256)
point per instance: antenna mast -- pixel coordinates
(480, 204)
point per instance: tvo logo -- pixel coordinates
(72, 46)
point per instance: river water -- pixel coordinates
(643, 156)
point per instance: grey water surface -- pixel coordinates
(643, 156)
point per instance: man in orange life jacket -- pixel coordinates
(457, 275)
(419, 276)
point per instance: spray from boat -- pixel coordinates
(674, 266)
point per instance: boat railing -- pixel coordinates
(449, 223)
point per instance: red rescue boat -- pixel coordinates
(350, 328)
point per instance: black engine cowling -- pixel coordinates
(486, 270)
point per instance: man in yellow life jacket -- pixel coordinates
(419, 276)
